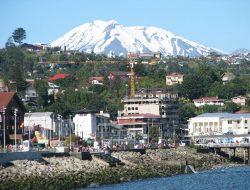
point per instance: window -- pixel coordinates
(245, 121)
(238, 121)
(136, 108)
(128, 108)
(229, 121)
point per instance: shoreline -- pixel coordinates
(72, 173)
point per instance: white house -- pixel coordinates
(96, 80)
(239, 100)
(53, 89)
(93, 125)
(174, 78)
(212, 124)
(85, 123)
(214, 101)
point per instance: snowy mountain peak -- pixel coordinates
(241, 51)
(111, 37)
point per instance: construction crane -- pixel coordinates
(132, 78)
(132, 62)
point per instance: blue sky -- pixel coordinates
(222, 24)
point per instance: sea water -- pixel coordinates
(237, 178)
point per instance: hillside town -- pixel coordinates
(148, 116)
(106, 103)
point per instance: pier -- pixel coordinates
(218, 146)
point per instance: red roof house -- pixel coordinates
(96, 80)
(58, 76)
(208, 101)
(9, 101)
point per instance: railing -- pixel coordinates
(220, 145)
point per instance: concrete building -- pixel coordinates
(138, 126)
(219, 124)
(174, 78)
(157, 103)
(90, 124)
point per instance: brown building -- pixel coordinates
(9, 102)
(118, 74)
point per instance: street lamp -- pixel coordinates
(29, 125)
(4, 140)
(70, 133)
(59, 119)
(15, 114)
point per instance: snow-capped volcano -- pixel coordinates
(111, 37)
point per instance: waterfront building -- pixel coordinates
(89, 124)
(138, 126)
(219, 124)
(157, 105)
(11, 109)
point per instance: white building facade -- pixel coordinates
(93, 125)
(174, 78)
(212, 124)
(85, 123)
(212, 101)
(43, 119)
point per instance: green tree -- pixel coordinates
(198, 84)
(9, 43)
(74, 140)
(154, 134)
(186, 111)
(230, 107)
(19, 35)
(209, 109)
(14, 58)
(41, 87)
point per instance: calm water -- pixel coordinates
(219, 179)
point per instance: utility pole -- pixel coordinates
(4, 138)
(29, 125)
(70, 132)
(102, 131)
(59, 123)
(148, 131)
(173, 131)
(15, 114)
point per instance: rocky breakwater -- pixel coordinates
(69, 172)
(173, 157)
